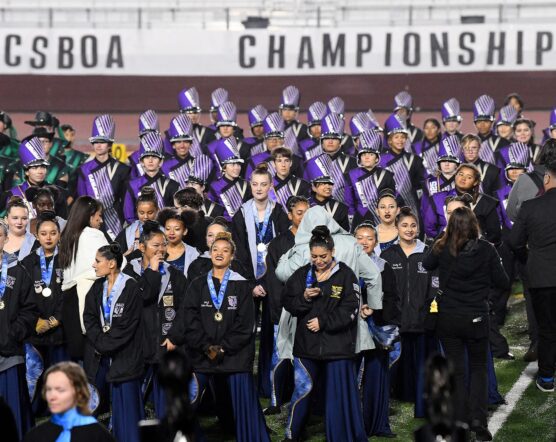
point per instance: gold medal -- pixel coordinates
(106, 328)
(218, 317)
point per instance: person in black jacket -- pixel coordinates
(258, 221)
(113, 356)
(218, 322)
(376, 372)
(18, 315)
(415, 285)
(534, 230)
(46, 275)
(468, 267)
(324, 297)
(67, 394)
(202, 265)
(162, 288)
(281, 371)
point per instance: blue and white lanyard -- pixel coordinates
(108, 298)
(217, 299)
(46, 272)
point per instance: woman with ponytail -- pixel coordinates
(113, 357)
(162, 288)
(324, 297)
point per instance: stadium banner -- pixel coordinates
(324, 51)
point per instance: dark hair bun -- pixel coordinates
(406, 211)
(150, 226)
(262, 167)
(387, 192)
(47, 215)
(321, 232)
(115, 248)
(147, 191)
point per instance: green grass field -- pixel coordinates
(533, 419)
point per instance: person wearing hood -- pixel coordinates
(347, 251)
(468, 266)
(324, 297)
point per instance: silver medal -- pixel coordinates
(46, 292)
(261, 247)
(105, 328)
(2, 305)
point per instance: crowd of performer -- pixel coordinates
(307, 241)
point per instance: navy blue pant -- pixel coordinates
(408, 374)
(152, 391)
(126, 399)
(13, 389)
(343, 416)
(266, 349)
(249, 422)
(375, 388)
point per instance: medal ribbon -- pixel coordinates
(107, 298)
(261, 233)
(218, 299)
(4, 276)
(46, 272)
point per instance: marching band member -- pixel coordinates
(18, 315)
(20, 242)
(104, 178)
(151, 160)
(219, 334)
(43, 268)
(113, 356)
(162, 288)
(324, 297)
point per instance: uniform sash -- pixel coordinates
(100, 181)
